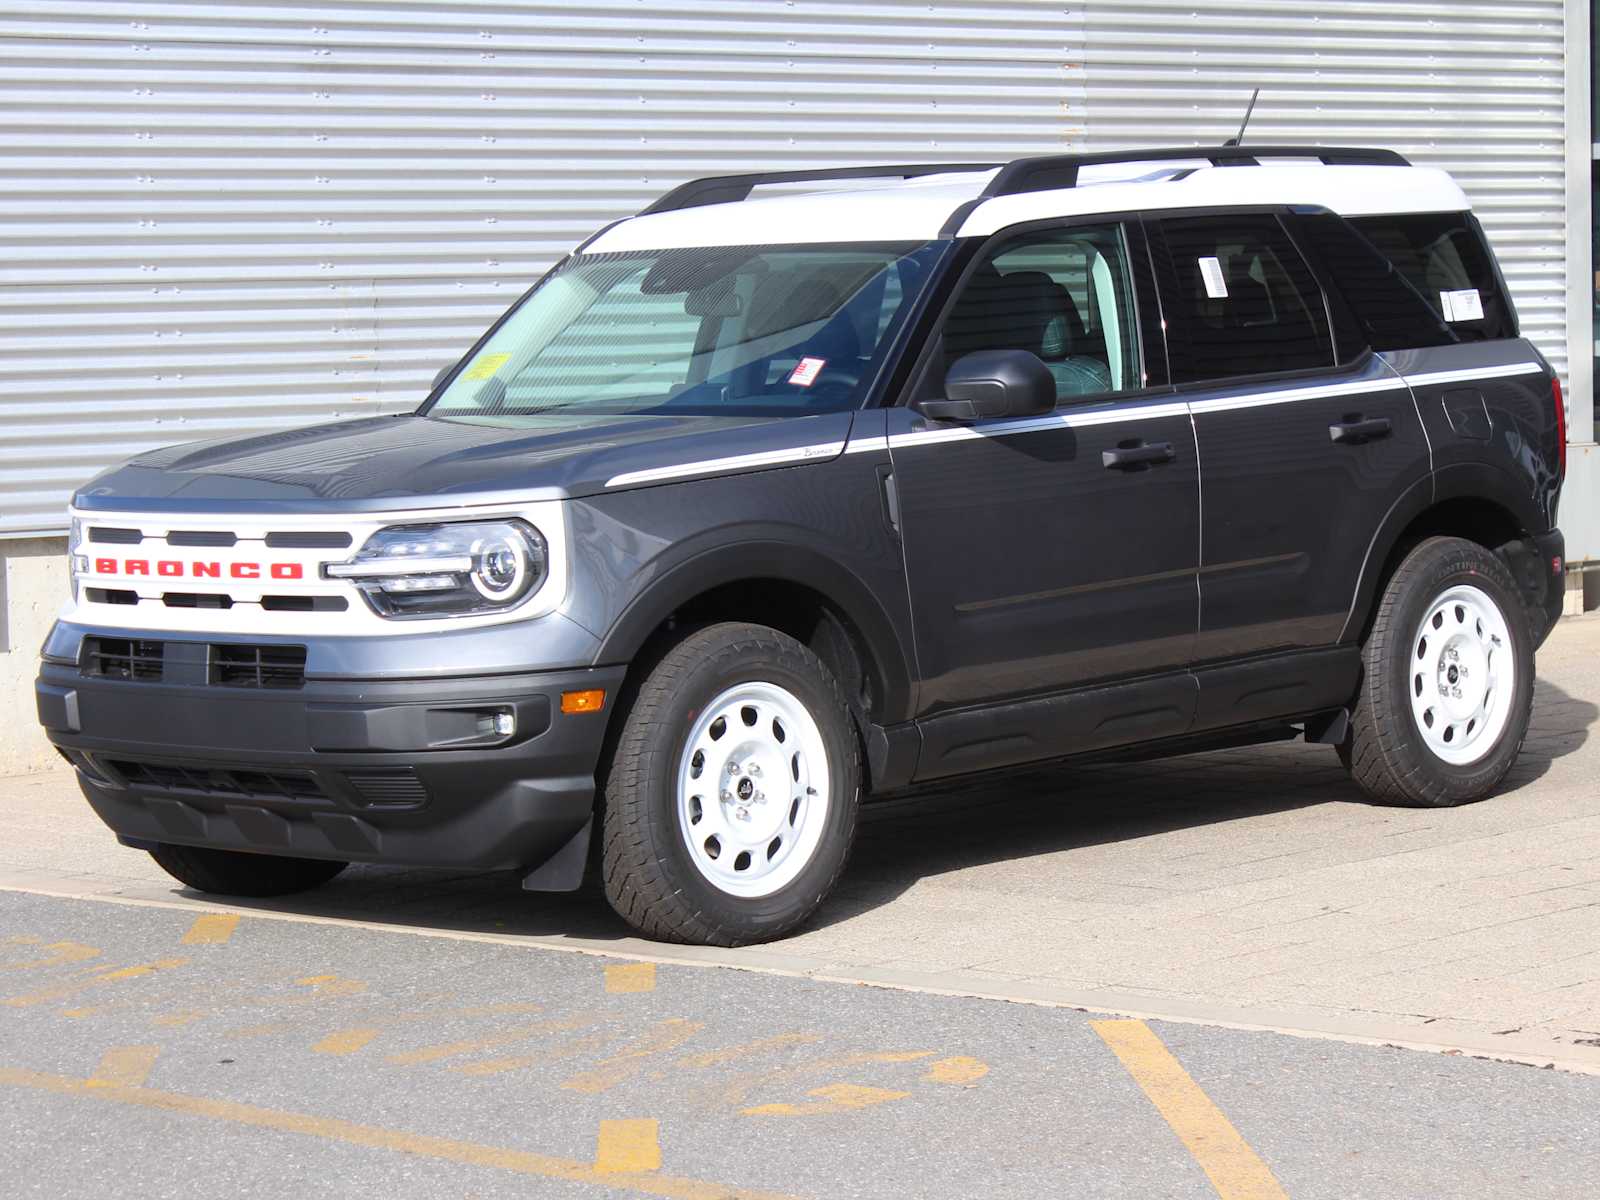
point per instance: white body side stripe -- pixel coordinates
(736, 462)
(1067, 420)
(1471, 373)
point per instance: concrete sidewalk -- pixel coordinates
(1251, 887)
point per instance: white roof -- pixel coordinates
(917, 210)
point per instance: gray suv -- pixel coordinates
(803, 488)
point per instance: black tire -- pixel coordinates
(230, 873)
(649, 876)
(1386, 752)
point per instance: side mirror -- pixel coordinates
(444, 373)
(992, 384)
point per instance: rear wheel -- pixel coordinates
(230, 873)
(1447, 687)
(731, 800)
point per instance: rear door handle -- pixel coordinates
(1140, 455)
(1356, 431)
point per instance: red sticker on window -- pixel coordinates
(806, 373)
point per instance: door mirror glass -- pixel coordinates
(994, 384)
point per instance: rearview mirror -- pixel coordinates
(991, 384)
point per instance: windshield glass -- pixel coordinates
(735, 331)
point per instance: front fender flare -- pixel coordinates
(694, 571)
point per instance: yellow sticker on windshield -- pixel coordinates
(486, 366)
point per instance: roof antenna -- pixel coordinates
(1237, 140)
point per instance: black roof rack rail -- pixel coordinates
(1061, 170)
(727, 189)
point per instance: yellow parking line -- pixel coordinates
(62, 991)
(508, 1037)
(125, 1066)
(631, 977)
(61, 954)
(521, 1162)
(625, 1146)
(211, 929)
(346, 1041)
(1235, 1170)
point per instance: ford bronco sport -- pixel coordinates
(754, 507)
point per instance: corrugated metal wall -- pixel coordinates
(1474, 86)
(220, 217)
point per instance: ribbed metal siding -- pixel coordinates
(218, 218)
(1474, 86)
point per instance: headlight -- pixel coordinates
(448, 570)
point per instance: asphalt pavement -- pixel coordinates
(154, 1051)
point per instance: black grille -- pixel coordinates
(389, 789)
(256, 783)
(121, 537)
(258, 666)
(111, 596)
(196, 600)
(200, 537)
(304, 603)
(123, 658)
(309, 540)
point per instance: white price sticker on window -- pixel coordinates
(806, 373)
(1465, 305)
(1216, 283)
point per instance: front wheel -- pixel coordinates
(1447, 687)
(731, 800)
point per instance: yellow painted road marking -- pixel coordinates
(125, 1066)
(663, 1036)
(716, 1058)
(347, 1041)
(61, 954)
(835, 1098)
(499, 1066)
(428, 1054)
(735, 1092)
(1234, 1169)
(626, 1146)
(963, 1072)
(62, 991)
(324, 987)
(522, 1162)
(631, 977)
(211, 929)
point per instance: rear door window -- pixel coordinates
(1238, 299)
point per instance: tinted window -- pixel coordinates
(1389, 313)
(1444, 258)
(1064, 295)
(1239, 300)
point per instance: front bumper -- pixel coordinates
(392, 771)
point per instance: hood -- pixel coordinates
(394, 462)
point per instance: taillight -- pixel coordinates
(1561, 422)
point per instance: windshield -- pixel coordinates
(736, 331)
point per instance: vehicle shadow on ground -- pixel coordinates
(1054, 809)
(1011, 817)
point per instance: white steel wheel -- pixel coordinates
(753, 790)
(1463, 675)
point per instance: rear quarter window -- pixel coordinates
(1415, 280)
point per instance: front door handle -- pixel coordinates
(1355, 430)
(1140, 455)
